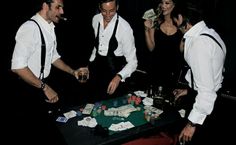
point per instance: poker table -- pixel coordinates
(101, 135)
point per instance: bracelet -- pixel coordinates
(43, 85)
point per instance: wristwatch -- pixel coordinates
(190, 123)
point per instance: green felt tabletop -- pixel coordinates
(137, 118)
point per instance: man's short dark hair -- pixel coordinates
(38, 4)
(100, 2)
(190, 12)
(193, 14)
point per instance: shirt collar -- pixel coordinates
(196, 29)
(112, 20)
(44, 23)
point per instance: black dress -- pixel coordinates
(166, 59)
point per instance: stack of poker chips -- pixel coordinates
(134, 100)
(98, 108)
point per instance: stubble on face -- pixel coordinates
(108, 10)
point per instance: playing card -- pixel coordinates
(61, 119)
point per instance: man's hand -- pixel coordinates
(187, 134)
(113, 84)
(50, 94)
(82, 74)
(180, 92)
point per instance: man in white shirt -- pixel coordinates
(204, 52)
(113, 58)
(32, 91)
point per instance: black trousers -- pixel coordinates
(218, 126)
(98, 89)
(30, 122)
(101, 74)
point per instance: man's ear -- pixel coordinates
(99, 8)
(117, 7)
(45, 5)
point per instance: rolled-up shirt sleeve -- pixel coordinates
(129, 51)
(24, 46)
(201, 62)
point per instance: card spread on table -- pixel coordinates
(87, 121)
(70, 114)
(88, 109)
(122, 111)
(121, 126)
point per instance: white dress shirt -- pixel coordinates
(126, 45)
(27, 51)
(206, 59)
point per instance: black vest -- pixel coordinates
(111, 63)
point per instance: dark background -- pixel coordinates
(75, 37)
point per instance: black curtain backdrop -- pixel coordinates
(75, 35)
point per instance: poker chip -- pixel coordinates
(104, 107)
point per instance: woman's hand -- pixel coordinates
(148, 24)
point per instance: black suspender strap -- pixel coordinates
(192, 85)
(205, 34)
(43, 52)
(98, 30)
(113, 44)
(212, 38)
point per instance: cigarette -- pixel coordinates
(63, 18)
